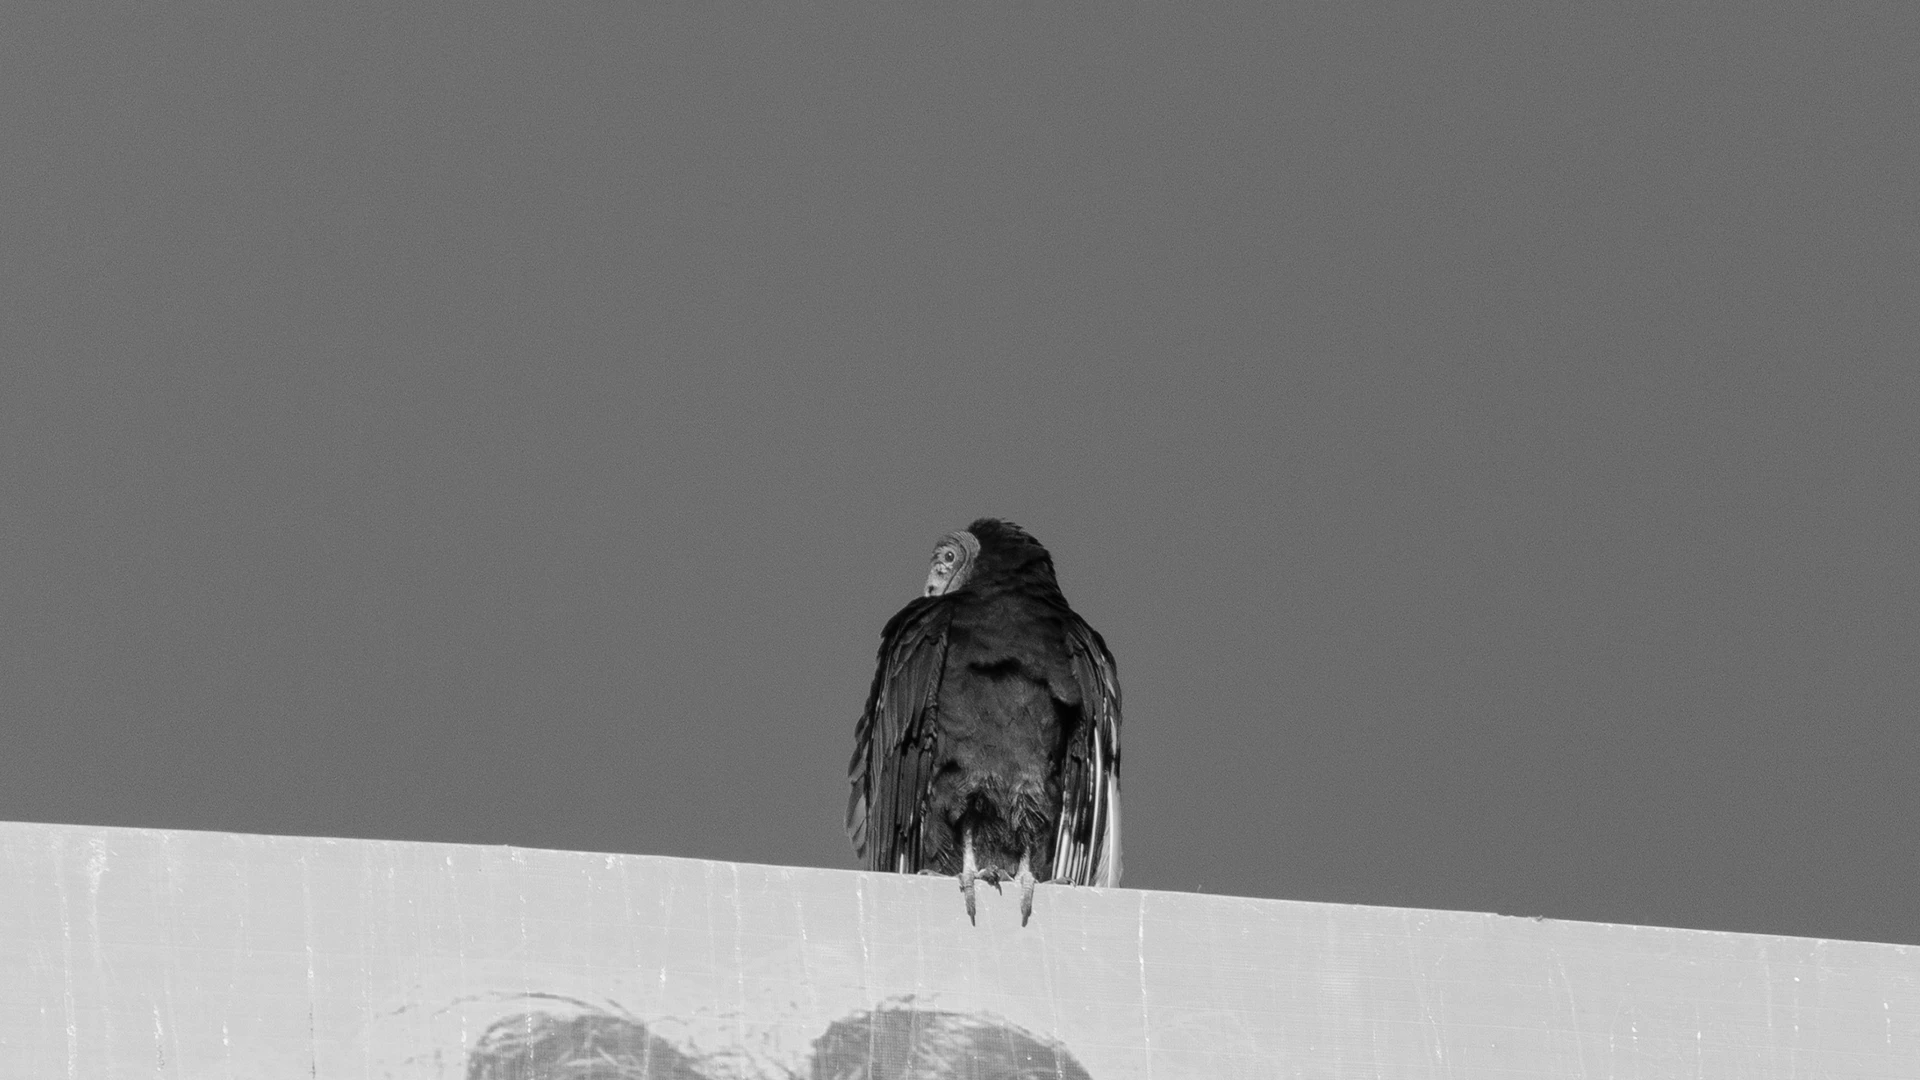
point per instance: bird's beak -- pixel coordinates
(939, 580)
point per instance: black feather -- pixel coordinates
(993, 707)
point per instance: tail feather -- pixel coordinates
(1107, 873)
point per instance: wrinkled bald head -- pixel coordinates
(989, 547)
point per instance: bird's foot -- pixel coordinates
(1025, 878)
(967, 878)
(970, 872)
(991, 876)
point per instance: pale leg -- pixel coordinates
(969, 871)
(1025, 878)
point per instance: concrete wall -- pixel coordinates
(172, 954)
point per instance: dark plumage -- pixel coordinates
(993, 725)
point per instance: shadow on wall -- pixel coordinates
(893, 1042)
(903, 1043)
(592, 1046)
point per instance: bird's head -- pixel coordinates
(989, 547)
(954, 556)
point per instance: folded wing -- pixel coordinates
(898, 739)
(1087, 851)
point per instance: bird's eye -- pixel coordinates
(947, 556)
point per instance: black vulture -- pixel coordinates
(990, 745)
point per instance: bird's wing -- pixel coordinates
(897, 738)
(1088, 849)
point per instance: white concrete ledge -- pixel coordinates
(129, 952)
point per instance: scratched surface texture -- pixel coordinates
(129, 953)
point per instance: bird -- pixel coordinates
(989, 748)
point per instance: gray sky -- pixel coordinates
(1486, 436)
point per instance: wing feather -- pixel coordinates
(1087, 851)
(897, 739)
